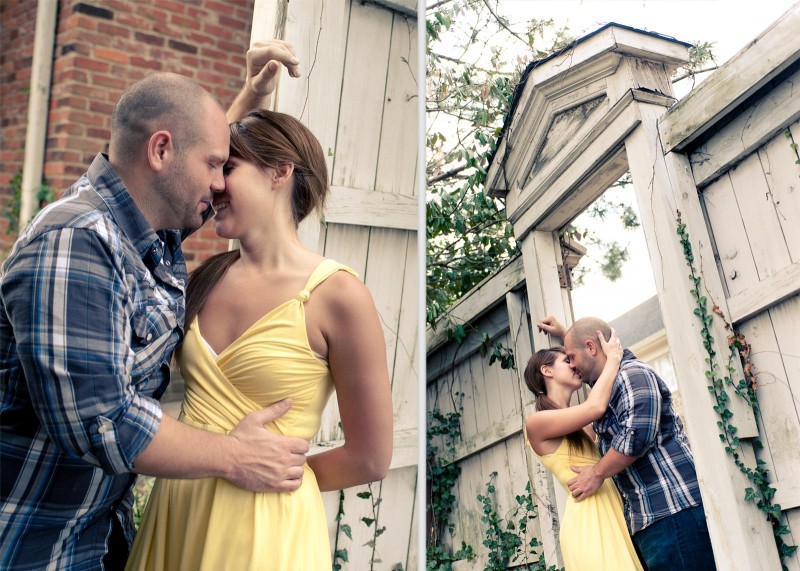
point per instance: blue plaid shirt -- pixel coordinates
(640, 421)
(91, 308)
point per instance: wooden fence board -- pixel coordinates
(738, 268)
(397, 158)
(762, 228)
(778, 160)
(367, 58)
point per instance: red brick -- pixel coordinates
(86, 63)
(101, 107)
(212, 54)
(103, 134)
(110, 55)
(149, 39)
(72, 102)
(145, 63)
(107, 81)
(113, 30)
(184, 22)
(217, 31)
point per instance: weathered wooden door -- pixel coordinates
(358, 94)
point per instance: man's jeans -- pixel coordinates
(678, 542)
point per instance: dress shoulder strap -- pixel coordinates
(323, 271)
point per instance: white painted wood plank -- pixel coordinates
(361, 112)
(755, 126)
(505, 384)
(415, 544)
(573, 187)
(771, 52)
(761, 225)
(779, 162)
(478, 299)
(540, 478)
(372, 208)
(784, 284)
(785, 318)
(396, 514)
(740, 536)
(405, 380)
(384, 278)
(464, 374)
(725, 218)
(482, 392)
(793, 519)
(397, 158)
(617, 39)
(355, 508)
(318, 31)
(493, 433)
(471, 483)
(779, 419)
(408, 7)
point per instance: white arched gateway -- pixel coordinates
(724, 160)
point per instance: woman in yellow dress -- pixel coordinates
(593, 533)
(269, 321)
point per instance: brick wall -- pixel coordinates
(101, 47)
(17, 18)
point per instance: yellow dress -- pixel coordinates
(209, 524)
(593, 532)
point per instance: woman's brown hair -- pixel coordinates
(267, 139)
(578, 441)
(270, 140)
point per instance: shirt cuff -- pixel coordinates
(116, 444)
(627, 443)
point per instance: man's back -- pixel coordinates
(87, 333)
(641, 421)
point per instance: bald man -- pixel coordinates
(91, 308)
(645, 449)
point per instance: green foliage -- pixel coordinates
(441, 475)
(760, 492)
(788, 134)
(141, 493)
(44, 195)
(506, 536)
(371, 522)
(474, 60)
(340, 554)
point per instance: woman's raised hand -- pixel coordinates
(264, 61)
(613, 347)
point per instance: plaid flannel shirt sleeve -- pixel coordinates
(638, 412)
(70, 309)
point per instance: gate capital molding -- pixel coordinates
(568, 109)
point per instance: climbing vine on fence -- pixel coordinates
(759, 492)
(442, 474)
(507, 537)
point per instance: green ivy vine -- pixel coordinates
(759, 492)
(505, 537)
(11, 211)
(441, 476)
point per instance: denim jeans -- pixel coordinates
(678, 542)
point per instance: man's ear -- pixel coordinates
(160, 150)
(592, 348)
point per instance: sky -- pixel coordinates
(730, 24)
